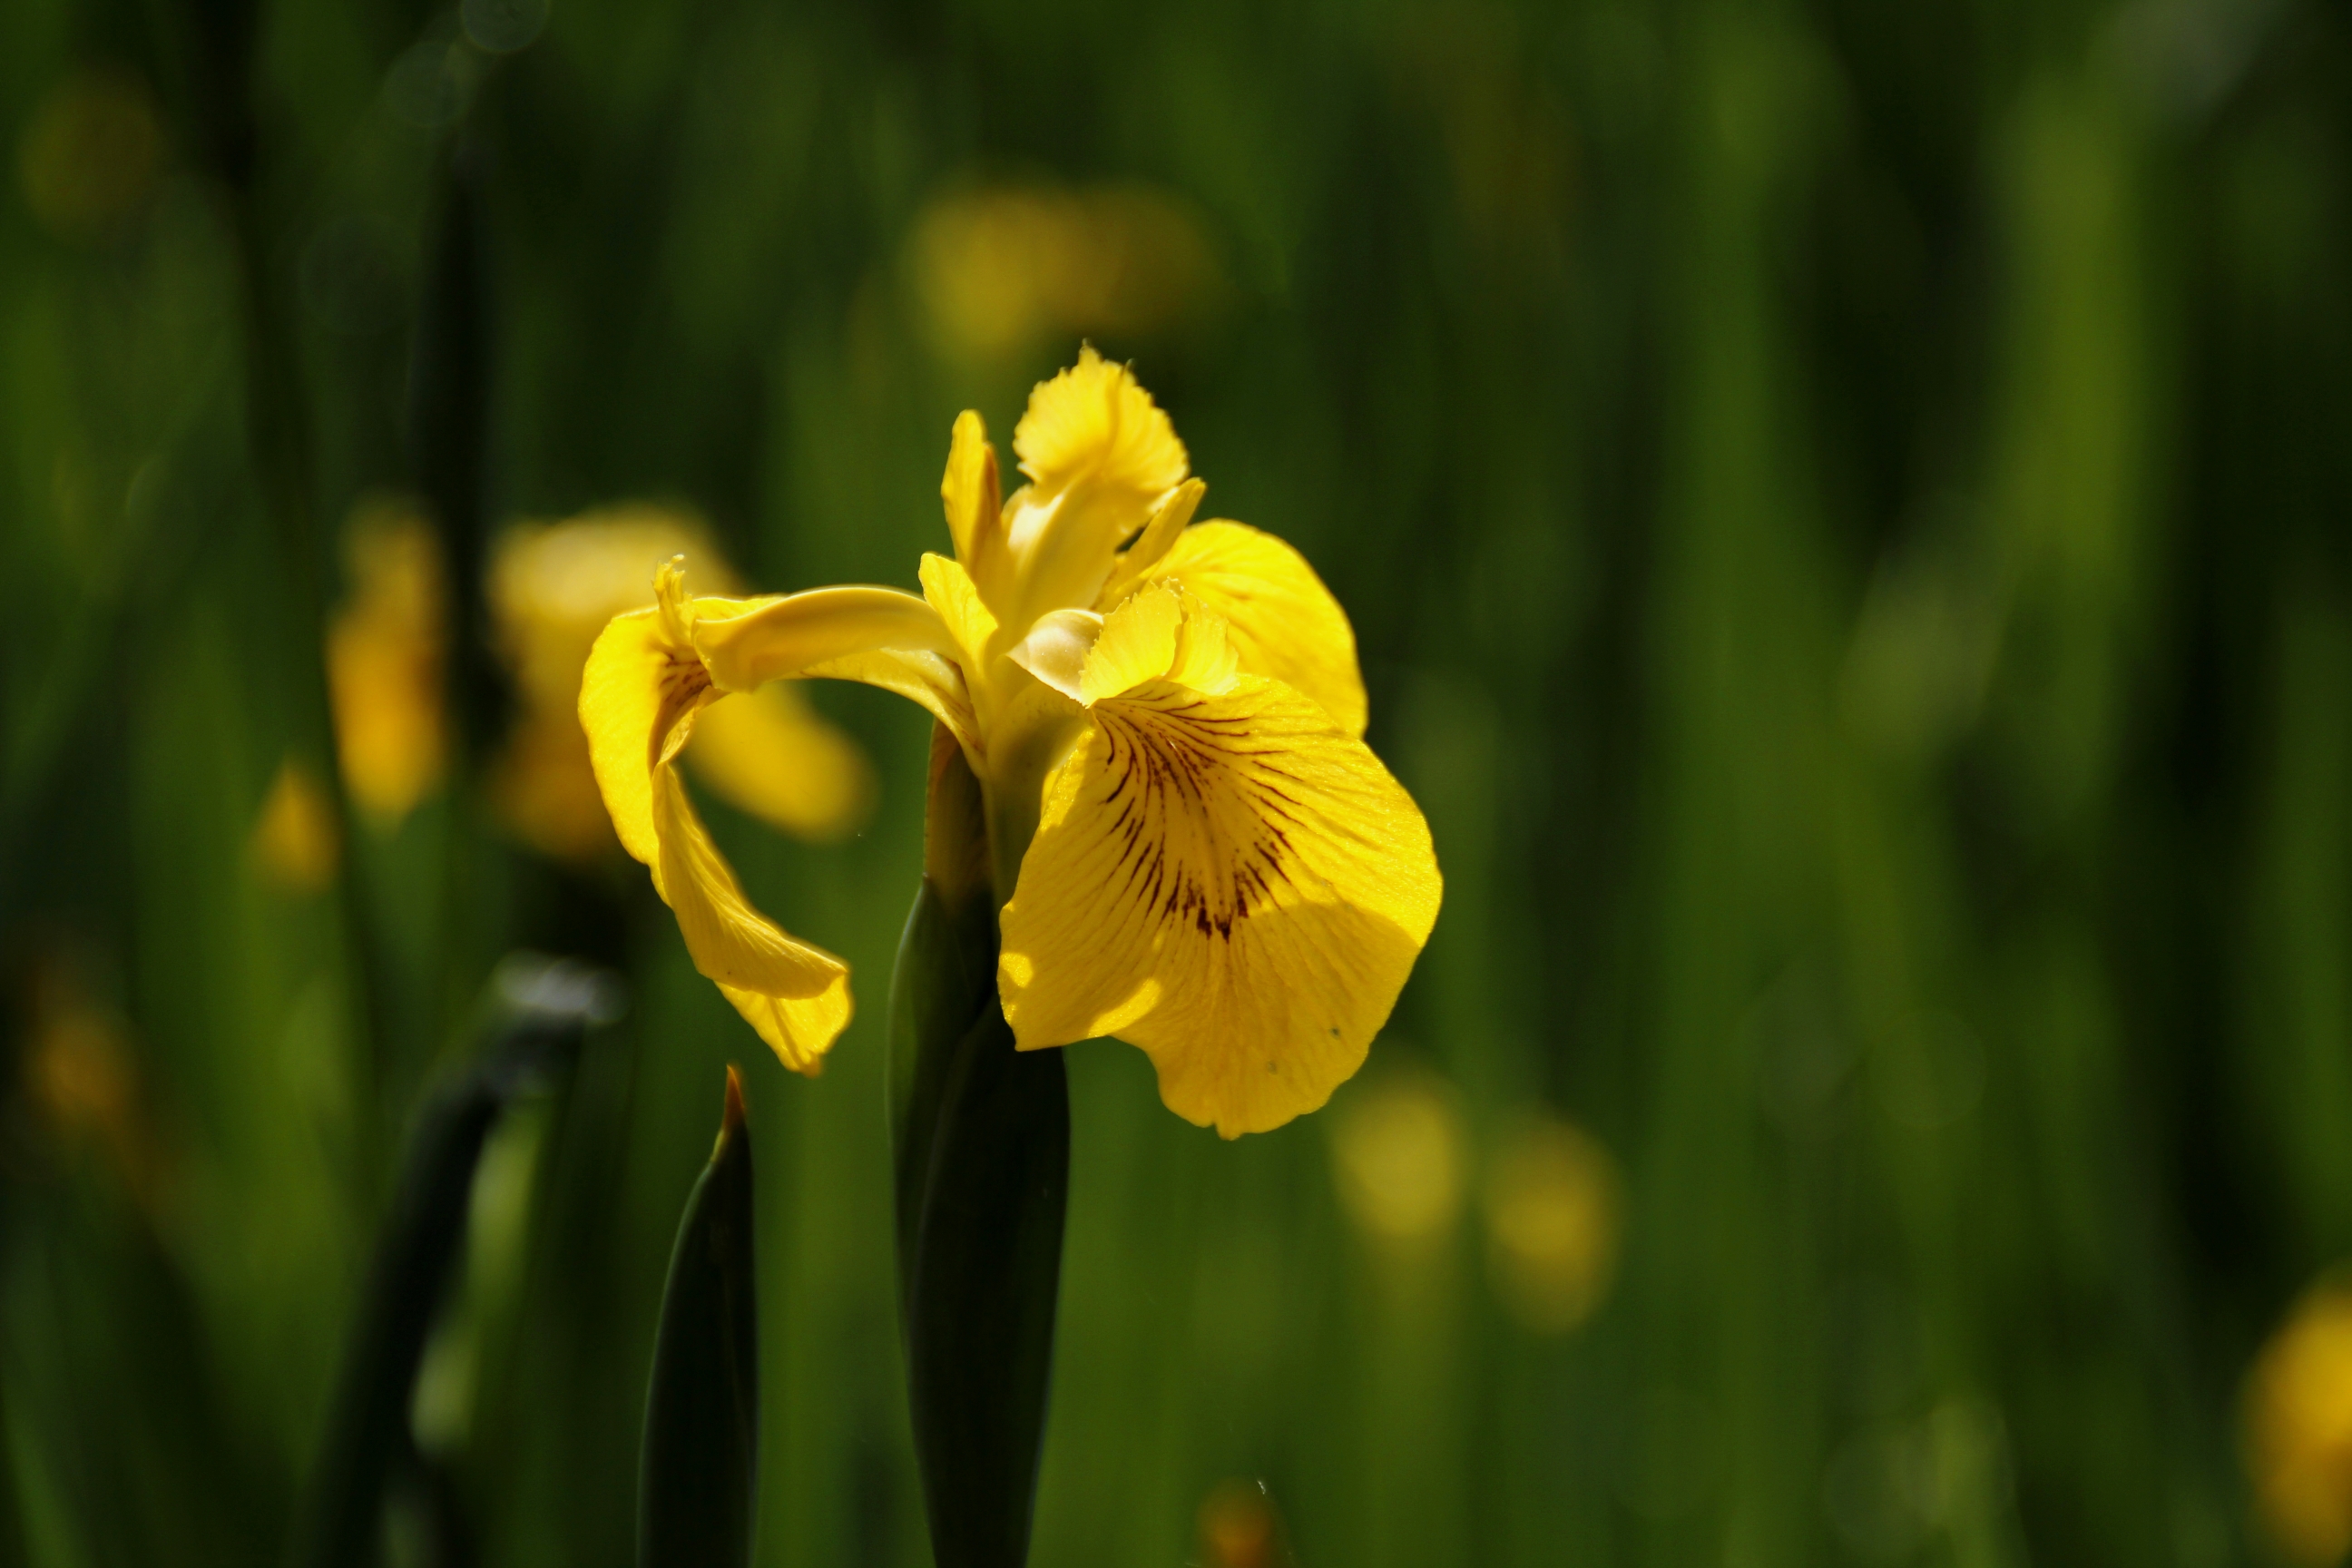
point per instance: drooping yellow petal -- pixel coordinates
(769, 753)
(1233, 883)
(639, 694)
(637, 688)
(796, 995)
(1283, 621)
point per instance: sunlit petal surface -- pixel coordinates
(796, 995)
(1231, 882)
(1283, 621)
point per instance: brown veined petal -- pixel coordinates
(769, 753)
(1283, 622)
(796, 995)
(1231, 882)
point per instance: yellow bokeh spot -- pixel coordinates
(1006, 268)
(1239, 1527)
(90, 156)
(293, 844)
(385, 651)
(2298, 1425)
(1553, 1199)
(1397, 1158)
(80, 1078)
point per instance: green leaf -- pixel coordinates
(983, 1142)
(541, 1011)
(699, 1471)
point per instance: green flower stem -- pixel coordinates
(982, 1141)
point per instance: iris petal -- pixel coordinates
(636, 687)
(639, 697)
(796, 995)
(1283, 621)
(1231, 883)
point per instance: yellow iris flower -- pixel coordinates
(1194, 851)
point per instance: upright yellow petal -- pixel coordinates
(1283, 621)
(949, 589)
(1231, 883)
(796, 995)
(972, 496)
(1138, 644)
(1158, 536)
(768, 753)
(1101, 459)
(1094, 422)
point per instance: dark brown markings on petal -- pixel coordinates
(1167, 778)
(682, 682)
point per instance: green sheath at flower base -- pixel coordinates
(699, 1465)
(982, 1136)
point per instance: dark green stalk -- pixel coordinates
(449, 438)
(982, 1136)
(218, 42)
(368, 1436)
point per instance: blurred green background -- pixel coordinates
(1844, 509)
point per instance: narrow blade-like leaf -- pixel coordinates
(698, 1470)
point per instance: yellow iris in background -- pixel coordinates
(1195, 851)
(2297, 1434)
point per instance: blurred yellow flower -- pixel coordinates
(1397, 1159)
(385, 653)
(1005, 266)
(79, 1071)
(1194, 851)
(1553, 1202)
(2298, 1425)
(293, 843)
(552, 587)
(1239, 1527)
(90, 155)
